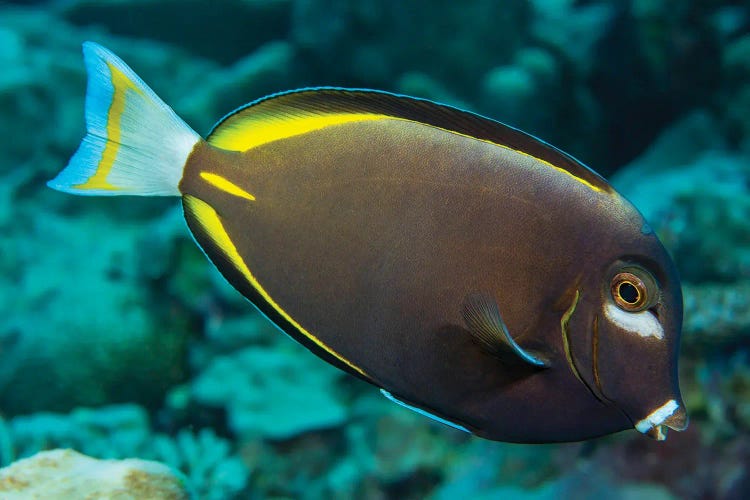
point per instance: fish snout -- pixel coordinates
(670, 415)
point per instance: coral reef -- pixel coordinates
(54, 316)
(245, 382)
(718, 317)
(209, 462)
(110, 301)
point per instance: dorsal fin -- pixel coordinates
(291, 113)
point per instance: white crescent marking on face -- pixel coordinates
(642, 323)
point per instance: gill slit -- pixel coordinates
(566, 335)
(564, 322)
(595, 363)
(595, 354)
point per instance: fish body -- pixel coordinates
(472, 272)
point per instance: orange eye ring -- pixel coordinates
(630, 292)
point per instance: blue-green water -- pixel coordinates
(118, 339)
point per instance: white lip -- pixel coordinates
(657, 417)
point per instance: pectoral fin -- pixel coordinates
(482, 317)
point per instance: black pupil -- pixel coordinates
(629, 293)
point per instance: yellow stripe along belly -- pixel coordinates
(211, 223)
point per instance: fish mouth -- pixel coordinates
(670, 415)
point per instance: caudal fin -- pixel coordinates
(135, 144)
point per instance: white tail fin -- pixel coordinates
(135, 144)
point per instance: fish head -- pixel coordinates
(632, 317)
(639, 331)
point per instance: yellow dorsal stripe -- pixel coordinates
(209, 220)
(121, 84)
(523, 153)
(244, 134)
(226, 185)
(580, 180)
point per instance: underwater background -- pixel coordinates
(118, 338)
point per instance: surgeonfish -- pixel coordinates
(472, 272)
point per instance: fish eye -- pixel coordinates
(633, 289)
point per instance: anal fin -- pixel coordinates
(423, 412)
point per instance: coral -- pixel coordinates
(7, 444)
(110, 300)
(81, 316)
(47, 275)
(579, 483)
(719, 395)
(67, 474)
(691, 466)
(717, 316)
(384, 451)
(274, 392)
(208, 461)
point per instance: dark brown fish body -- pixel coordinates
(471, 271)
(372, 238)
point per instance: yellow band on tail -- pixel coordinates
(135, 144)
(121, 86)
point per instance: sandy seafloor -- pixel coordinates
(118, 339)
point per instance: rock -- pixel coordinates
(69, 474)
(210, 463)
